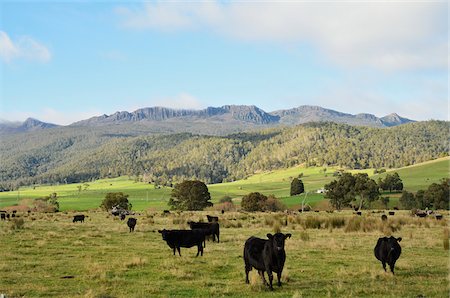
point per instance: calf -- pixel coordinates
(79, 218)
(122, 216)
(210, 228)
(383, 217)
(212, 218)
(184, 238)
(265, 256)
(131, 223)
(388, 251)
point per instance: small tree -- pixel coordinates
(254, 201)
(438, 194)
(116, 199)
(297, 187)
(407, 200)
(190, 195)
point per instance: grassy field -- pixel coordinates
(53, 257)
(144, 196)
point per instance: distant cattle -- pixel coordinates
(212, 218)
(223, 211)
(388, 251)
(438, 216)
(421, 213)
(383, 217)
(184, 238)
(359, 213)
(265, 255)
(79, 218)
(122, 216)
(210, 228)
(7, 215)
(131, 223)
(391, 212)
(3, 216)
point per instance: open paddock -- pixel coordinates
(329, 254)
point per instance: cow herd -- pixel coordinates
(264, 255)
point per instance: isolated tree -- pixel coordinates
(297, 187)
(116, 199)
(254, 201)
(190, 195)
(421, 203)
(391, 182)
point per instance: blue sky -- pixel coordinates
(63, 62)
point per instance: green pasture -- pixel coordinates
(144, 196)
(52, 257)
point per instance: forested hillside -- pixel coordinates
(73, 155)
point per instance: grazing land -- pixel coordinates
(143, 195)
(52, 257)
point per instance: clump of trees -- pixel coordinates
(297, 187)
(435, 197)
(190, 195)
(348, 188)
(116, 199)
(391, 182)
(256, 201)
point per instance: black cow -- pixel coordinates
(210, 228)
(79, 218)
(212, 218)
(3, 216)
(383, 217)
(391, 212)
(265, 255)
(122, 216)
(184, 238)
(131, 223)
(388, 251)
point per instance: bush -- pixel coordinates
(253, 202)
(226, 199)
(17, 223)
(272, 204)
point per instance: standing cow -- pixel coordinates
(265, 255)
(388, 251)
(131, 223)
(184, 238)
(79, 218)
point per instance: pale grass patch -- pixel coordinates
(181, 273)
(41, 243)
(256, 282)
(51, 234)
(297, 294)
(78, 243)
(285, 276)
(136, 262)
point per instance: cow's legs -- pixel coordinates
(179, 253)
(174, 248)
(392, 265)
(261, 273)
(269, 273)
(218, 238)
(384, 266)
(279, 278)
(247, 270)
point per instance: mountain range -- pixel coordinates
(213, 120)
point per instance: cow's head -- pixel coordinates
(392, 243)
(277, 240)
(163, 233)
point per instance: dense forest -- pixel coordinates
(73, 155)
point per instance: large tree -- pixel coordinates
(438, 194)
(340, 192)
(190, 195)
(365, 188)
(297, 187)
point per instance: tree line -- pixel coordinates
(81, 155)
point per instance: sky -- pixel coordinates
(65, 61)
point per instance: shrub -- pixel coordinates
(253, 202)
(226, 199)
(312, 222)
(272, 204)
(335, 222)
(17, 223)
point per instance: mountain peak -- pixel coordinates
(394, 119)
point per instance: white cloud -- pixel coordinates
(382, 34)
(180, 101)
(49, 115)
(24, 47)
